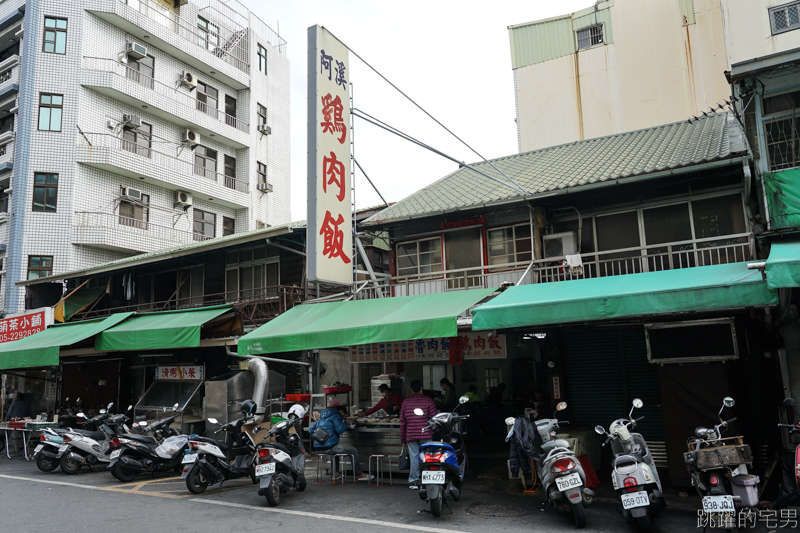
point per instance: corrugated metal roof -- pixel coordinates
(172, 253)
(582, 163)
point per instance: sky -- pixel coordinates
(451, 57)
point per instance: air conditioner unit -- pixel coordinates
(189, 79)
(132, 193)
(135, 50)
(183, 198)
(132, 121)
(191, 137)
(560, 244)
(264, 187)
(263, 128)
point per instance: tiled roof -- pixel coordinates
(579, 164)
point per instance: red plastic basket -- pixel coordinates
(298, 397)
(17, 424)
(334, 390)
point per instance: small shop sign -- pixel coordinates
(21, 325)
(180, 373)
(474, 345)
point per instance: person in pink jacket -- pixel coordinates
(411, 427)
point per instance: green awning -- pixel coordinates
(783, 265)
(337, 324)
(156, 331)
(42, 349)
(782, 190)
(632, 295)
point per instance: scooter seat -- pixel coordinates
(629, 459)
(144, 439)
(219, 443)
(94, 435)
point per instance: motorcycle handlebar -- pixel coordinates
(790, 426)
(730, 421)
(639, 419)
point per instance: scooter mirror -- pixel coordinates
(561, 406)
(637, 403)
(600, 430)
(728, 401)
(102, 411)
(163, 409)
(175, 407)
(789, 402)
(463, 399)
(418, 412)
(510, 421)
(213, 420)
(81, 415)
(66, 399)
(110, 406)
(130, 407)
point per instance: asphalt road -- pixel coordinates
(33, 501)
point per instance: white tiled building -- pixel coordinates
(127, 126)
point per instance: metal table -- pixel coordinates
(372, 438)
(25, 438)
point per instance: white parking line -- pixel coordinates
(50, 482)
(327, 516)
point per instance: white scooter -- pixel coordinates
(90, 448)
(635, 477)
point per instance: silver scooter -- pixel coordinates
(635, 477)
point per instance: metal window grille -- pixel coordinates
(590, 36)
(785, 18)
(783, 142)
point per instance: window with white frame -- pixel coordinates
(511, 244)
(781, 114)
(590, 36)
(785, 18)
(418, 258)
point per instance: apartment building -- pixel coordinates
(129, 126)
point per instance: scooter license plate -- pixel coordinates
(631, 500)
(115, 454)
(265, 469)
(569, 482)
(718, 504)
(38, 448)
(189, 458)
(433, 478)
(63, 448)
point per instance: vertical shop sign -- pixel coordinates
(330, 233)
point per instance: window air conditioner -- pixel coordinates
(560, 244)
(264, 187)
(135, 50)
(132, 193)
(188, 79)
(131, 121)
(183, 198)
(264, 129)
(191, 137)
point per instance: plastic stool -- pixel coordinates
(342, 457)
(380, 476)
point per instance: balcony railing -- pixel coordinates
(228, 43)
(668, 256)
(164, 161)
(186, 100)
(142, 229)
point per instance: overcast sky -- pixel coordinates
(451, 57)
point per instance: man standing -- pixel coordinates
(412, 426)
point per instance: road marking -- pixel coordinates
(327, 516)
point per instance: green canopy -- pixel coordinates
(783, 265)
(156, 331)
(632, 295)
(336, 324)
(42, 348)
(782, 190)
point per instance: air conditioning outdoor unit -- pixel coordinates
(132, 193)
(132, 121)
(191, 137)
(560, 244)
(189, 79)
(135, 50)
(264, 187)
(183, 198)
(264, 129)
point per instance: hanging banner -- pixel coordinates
(474, 345)
(330, 232)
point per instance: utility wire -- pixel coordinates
(518, 186)
(370, 182)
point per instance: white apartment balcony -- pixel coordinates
(6, 152)
(118, 80)
(111, 231)
(9, 82)
(668, 256)
(111, 153)
(223, 52)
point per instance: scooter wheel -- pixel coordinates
(273, 493)
(46, 465)
(69, 465)
(579, 515)
(436, 504)
(643, 524)
(196, 482)
(123, 473)
(301, 483)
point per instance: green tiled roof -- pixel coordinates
(586, 163)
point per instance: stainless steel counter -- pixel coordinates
(375, 438)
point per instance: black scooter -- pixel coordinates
(281, 464)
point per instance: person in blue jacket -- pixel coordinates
(333, 421)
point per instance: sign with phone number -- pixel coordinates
(21, 326)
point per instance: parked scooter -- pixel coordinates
(635, 477)
(281, 464)
(90, 448)
(789, 494)
(442, 463)
(208, 460)
(559, 470)
(135, 453)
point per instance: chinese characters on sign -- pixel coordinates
(180, 372)
(330, 239)
(24, 325)
(748, 518)
(473, 346)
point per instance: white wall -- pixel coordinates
(749, 34)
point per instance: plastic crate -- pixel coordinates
(298, 397)
(337, 390)
(276, 419)
(41, 425)
(17, 424)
